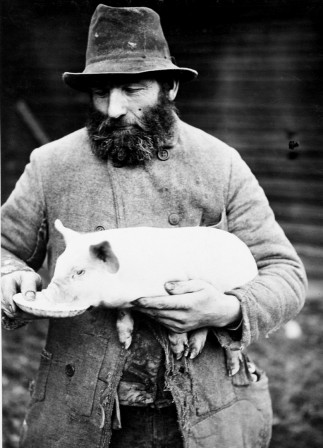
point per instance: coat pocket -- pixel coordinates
(212, 387)
(81, 376)
(39, 389)
(252, 387)
(244, 423)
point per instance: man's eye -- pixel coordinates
(133, 89)
(99, 92)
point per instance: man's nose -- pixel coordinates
(117, 104)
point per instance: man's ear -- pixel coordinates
(173, 90)
(104, 252)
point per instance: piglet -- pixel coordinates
(114, 267)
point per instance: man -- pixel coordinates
(137, 164)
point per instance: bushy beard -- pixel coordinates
(136, 144)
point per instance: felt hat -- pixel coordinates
(125, 41)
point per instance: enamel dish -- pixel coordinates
(43, 307)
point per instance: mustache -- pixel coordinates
(107, 126)
(131, 140)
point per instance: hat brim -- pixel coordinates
(84, 81)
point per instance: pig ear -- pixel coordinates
(103, 252)
(68, 234)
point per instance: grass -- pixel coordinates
(294, 367)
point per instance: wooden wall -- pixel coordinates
(260, 88)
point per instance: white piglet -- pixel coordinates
(114, 267)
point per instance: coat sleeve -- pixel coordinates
(277, 294)
(23, 222)
(24, 225)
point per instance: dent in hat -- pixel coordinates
(125, 41)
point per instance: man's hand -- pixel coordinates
(25, 282)
(197, 304)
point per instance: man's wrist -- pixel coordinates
(10, 265)
(233, 314)
(234, 326)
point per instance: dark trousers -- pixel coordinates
(145, 427)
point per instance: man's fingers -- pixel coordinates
(174, 315)
(7, 308)
(172, 325)
(190, 290)
(30, 283)
(162, 303)
(20, 281)
(185, 287)
(9, 287)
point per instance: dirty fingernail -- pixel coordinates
(170, 286)
(30, 295)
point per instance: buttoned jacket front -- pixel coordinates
(196, 180)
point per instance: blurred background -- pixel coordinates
(260, 89)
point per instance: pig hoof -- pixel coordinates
(125, 326)
(194, 349)
(178, 343)
(196, 342)
(126, 344)
(193, 353)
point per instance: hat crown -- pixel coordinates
(125, 41)
(125, 33)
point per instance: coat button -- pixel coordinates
(173, 219)
(69, 370)
(163, 154)
(99, 228)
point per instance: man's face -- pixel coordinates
(126, 102)
(130, 120)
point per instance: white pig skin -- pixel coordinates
(148, 257)
(114, 267)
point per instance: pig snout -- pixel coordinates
(57, 292)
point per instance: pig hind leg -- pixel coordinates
(178, 343)
(125, 324)
(196, 342)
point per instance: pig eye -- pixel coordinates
(80, 272)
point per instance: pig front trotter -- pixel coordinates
(178, 343)
(125, 324)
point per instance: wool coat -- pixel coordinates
(195, 180)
